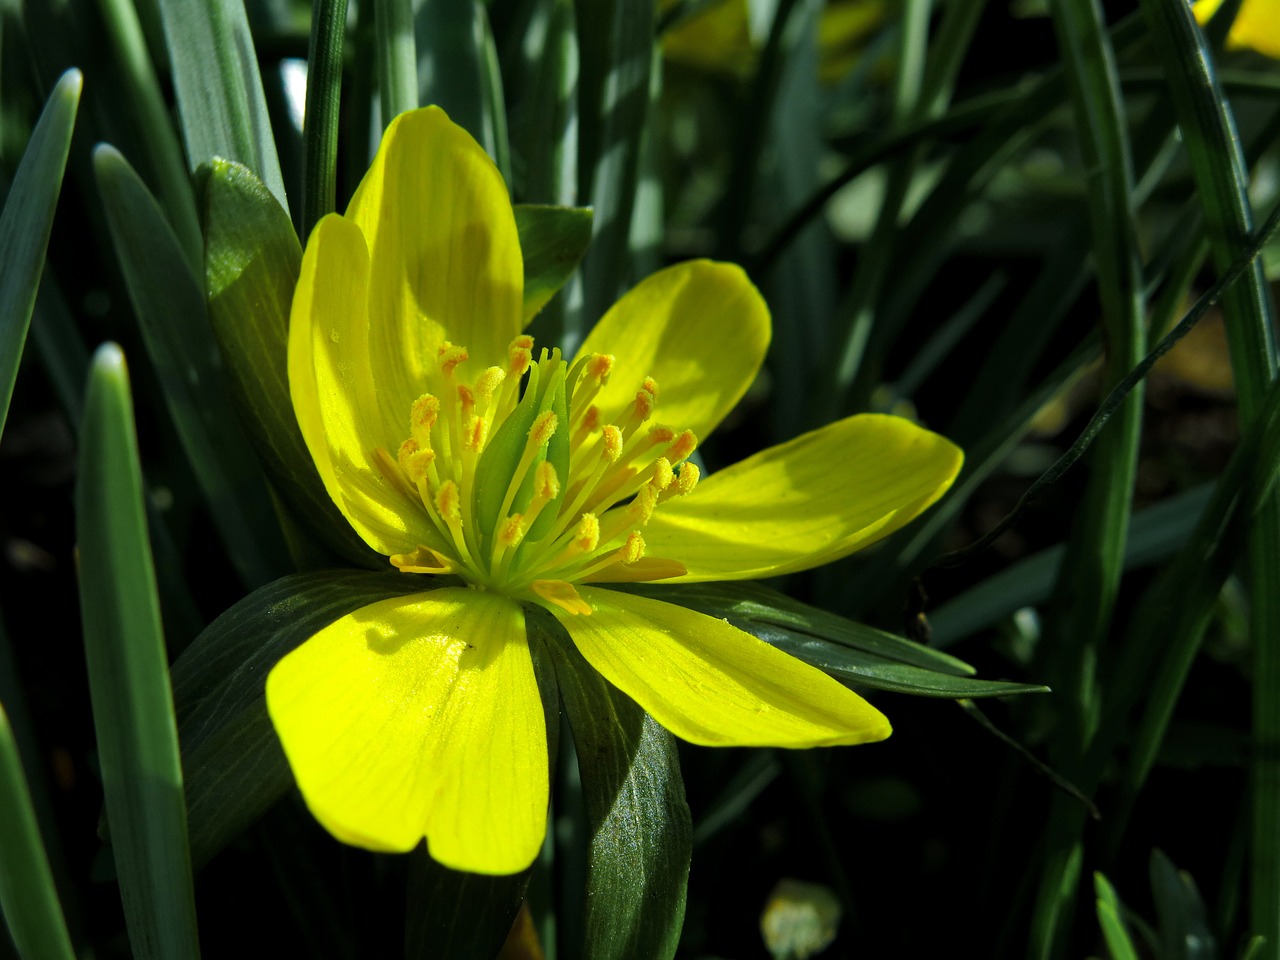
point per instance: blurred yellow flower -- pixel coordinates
(452, 447)
(1256, 27)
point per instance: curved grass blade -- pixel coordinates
(128, 675)
(28, 898)
(26, 222)
(553, 241)
(641, 835)
(221, 106)
(171, 313)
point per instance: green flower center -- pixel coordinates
(524, 490)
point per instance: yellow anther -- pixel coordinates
(633, 549)
(519, 355)
(587, 535)
(477, 432)
(418, 464)
(511, 531)
(643, 409)
(487, 384)
(543, 427)
(422, 560)
(422, 417)
(661, 433)
(611, 448)
(663, 475)
(641, 509)
(563, 595)
(650, 386)
(466, 400)
(689, 474)
(450, 356)
(684, 445)
(407, 449)
(546, 484)
(449, 503)
(600, 366)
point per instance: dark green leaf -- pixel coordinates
(641, 835)
(235, 767)
(171, 314)
(25, 225)
(128, 674)
(552, 242)
(252, 258)
(1184, 926)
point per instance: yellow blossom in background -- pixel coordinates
(719, 38)
(1256, 26)
(454, 445)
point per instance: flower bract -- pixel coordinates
(455, 445)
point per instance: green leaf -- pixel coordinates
(128, 674)
(221, 105)
(847, 650)
(26, 222)
(171, 314)
(28, 898)
(320, 134)
(1109, 910)
(395, 51)
(553, 241)
(252, 258)
(233, 760)
(641, 835)
(1184, 926)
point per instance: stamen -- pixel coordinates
(422, 560)
(450, 356)
(422, 417)
(663, 475)
(487, 383)
(685, 444)
(563, 595)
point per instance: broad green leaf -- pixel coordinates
(640, 830)
(235, 768)
(252, 258)
(552, 242)
(171, 314)
(847, 650)
(128, 675)
(221, 106)
(28, 899)
(26, 222)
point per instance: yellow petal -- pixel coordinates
(711, 683)
(805, 502)
(1256, 26)
(699, 328)
(420, 716)
(444, 251)
(333, 393)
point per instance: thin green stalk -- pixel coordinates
(158, 140)
(395, 52)
(320, 129)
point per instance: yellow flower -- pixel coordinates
(452, 447)
(1256, 26)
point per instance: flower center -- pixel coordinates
(524, 490)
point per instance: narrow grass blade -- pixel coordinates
(25, 225)
(627, 51)
(128, 675)
(171, 313)
(641, 835)
(221, 106)
(28, 898)
(553, 241)
(158, 140)
(1222, 182)
(549, 143)
(1109, 911)
(395, 53)
(320, 131)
